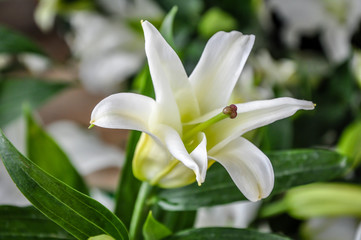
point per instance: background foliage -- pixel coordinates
(311, 147)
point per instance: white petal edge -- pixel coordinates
(171, 85)
(253, 115)
(200, 156)
(249, 168)
(197, 161)
(124, 111)
(219, 68)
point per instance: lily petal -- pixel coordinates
(221, 63)
(150, 157)
(176, 147)
(124, 111)
(200, 156)
(172, 88)
(249, 168)
(182, 175)
(253, 115)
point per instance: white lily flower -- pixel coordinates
(184, 129)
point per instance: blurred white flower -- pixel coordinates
(45, 13)
(330, 229)
(246, 88)
(135, 9)
(356, 65)
(9, 193)
(5, 60)
(358, 232)
(108, 51)
(85, 149)
(108, 48)
(237, 214)
(35, 63)
(336, 20)
(274, 72)
(261, 74)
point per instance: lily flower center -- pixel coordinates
(190, 137)
(227, 112)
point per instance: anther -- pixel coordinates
(230, 110)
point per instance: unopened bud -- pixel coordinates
(230, 110)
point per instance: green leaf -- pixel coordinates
(154, 230)
(101, 237)
(188, 9)
(277, 136)
(27, 223)
(78, 214)
(223, 233)
(166, 28)
(292, 168)
(142, 84)
(299, 167)
(15, 92)
(14, 43)
(47, 154)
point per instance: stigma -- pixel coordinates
(231, 111)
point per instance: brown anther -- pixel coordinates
(230, 110)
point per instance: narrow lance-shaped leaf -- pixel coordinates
(223, 233)
(27, 223)
(14, 92)
(167, 26)
(47, 154)
(13, 42)
(292, 168)
(78, 214)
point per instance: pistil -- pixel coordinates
(227, 112)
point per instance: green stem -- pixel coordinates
(272, 209)
(140, 211)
